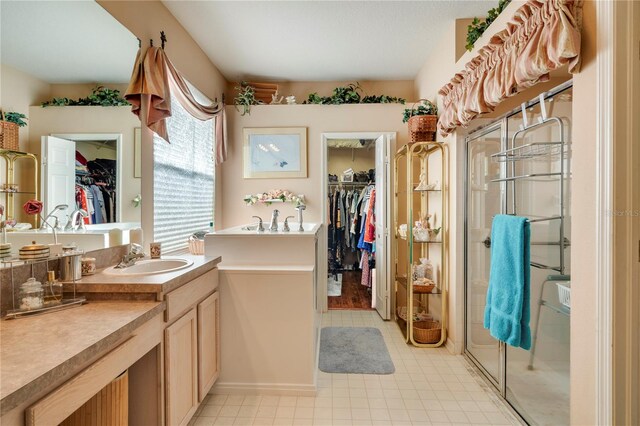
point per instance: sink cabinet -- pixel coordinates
(208, 343)
(192, 345)
(181, 378)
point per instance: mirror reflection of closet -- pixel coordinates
(84, 172)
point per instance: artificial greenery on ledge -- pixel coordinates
(245, 98)
(478, 27)
(351, 94)
(100, 96)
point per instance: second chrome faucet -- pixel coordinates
(273, 226)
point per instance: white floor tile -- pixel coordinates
(429, 387)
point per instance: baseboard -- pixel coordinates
(451, 347)
(283, 389)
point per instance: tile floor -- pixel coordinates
(429, 387)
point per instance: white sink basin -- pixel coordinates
(150, 267)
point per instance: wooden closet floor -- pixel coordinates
(354, 295)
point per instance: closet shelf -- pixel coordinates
(528, 151)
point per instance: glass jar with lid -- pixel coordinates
(31, 295)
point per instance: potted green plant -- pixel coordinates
(16, 118)
(421, 120)
(245, 98)
(10, 122)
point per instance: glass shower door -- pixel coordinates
(483, 202)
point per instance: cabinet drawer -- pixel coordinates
(181, 300)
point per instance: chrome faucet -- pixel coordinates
(273, 227)
(300, 208)
(56, 223)
(72, 224)
(129, 259)
(285, 227)
(260, 227)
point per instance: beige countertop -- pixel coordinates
(43, 349)
(157, 283)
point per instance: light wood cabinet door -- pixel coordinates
(181, 369)
(208, 343)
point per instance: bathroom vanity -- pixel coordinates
(270, 318)
(161, 328)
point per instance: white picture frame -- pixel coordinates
(275, 152)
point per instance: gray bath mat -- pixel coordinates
(354, 350)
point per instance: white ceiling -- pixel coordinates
(320, 40)
(66, 41)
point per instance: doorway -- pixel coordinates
(355, 186)
(83, 171)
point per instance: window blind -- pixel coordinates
(183, 179)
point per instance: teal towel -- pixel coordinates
(507, 312)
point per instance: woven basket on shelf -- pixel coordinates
(423, 288)
(427, 331)
(422, 128)
(9, 135)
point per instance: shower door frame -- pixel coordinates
(501, 383)
(501, 124)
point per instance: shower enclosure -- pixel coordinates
(520, 164)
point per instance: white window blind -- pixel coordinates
(183, 179)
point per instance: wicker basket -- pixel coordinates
(423, 288)
(427, 331)
(9, 135)
(422, 128)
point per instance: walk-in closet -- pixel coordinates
(351, 232)
(357, 213)
(95, 186)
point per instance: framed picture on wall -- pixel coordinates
(272, 153)
(137, 153)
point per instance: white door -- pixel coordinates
(58, 175)
(383, 214)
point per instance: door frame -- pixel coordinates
(81, 137)
(324, 244)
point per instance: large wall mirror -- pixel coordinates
(87, 154)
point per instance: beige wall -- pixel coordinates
(81, 119)
(145, 19)
(583, 235)
(302, 89)
(18, 91)
(318, 119)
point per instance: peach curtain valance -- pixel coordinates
(543, 36)
(153, 81)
